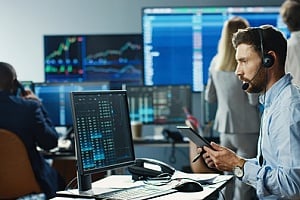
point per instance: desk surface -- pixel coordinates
(216, 182)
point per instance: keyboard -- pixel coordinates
(137, 193)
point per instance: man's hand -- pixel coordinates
(31, 95)
(221, 157)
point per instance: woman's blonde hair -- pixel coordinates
(226, 52)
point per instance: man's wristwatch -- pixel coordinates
(238, 172)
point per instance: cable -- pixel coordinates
(223, 196)
(172, 157)
(261, 158)
(68, 187)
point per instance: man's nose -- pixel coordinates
(238, 70)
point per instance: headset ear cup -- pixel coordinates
(268, 60)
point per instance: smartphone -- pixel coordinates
(28, 85)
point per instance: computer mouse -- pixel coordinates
(189, 186)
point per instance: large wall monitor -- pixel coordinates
(159, 104)
(180, 42)
(102, 133)
(56, 98)
(115, 58)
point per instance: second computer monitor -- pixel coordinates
(56, 98)
(159, 104)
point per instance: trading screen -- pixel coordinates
(180, 42)
(115, 58)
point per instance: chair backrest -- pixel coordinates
(16, 175)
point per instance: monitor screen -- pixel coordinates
(56, 98)
(159, 104)
(102, 131)
(180, 42)
(115, 58)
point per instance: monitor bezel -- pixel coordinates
(80, 169)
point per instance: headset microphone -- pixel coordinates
(246, 85)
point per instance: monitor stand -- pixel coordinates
(84, 190)
(84, 182)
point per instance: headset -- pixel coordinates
(267, 59)
(267, 62)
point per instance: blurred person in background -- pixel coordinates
(24, 115)
(290, 13)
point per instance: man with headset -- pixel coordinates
(25, 116)
(275, 172)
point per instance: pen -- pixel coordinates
(197, 157)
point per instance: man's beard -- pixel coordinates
(258, 84)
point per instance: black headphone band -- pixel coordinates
(267, 59)
(260, 32)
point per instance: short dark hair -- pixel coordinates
(290, 13)
(7, 76)
(272, 40)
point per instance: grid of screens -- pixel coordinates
(102, 130)
(115, 58)
(180, 42)
(159, 104)
(56, 98)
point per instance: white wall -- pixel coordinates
(23, 24)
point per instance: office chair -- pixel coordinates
(17, 178)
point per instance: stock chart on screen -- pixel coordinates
(115, 58)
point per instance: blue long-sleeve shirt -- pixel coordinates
(279, 144)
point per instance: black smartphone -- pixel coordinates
(20, 87)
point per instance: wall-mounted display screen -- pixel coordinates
(115, 58)
(180, 42)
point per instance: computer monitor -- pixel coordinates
(56, 98)
(180, 42)
(117, 58)
(102, 133)
(162, 104)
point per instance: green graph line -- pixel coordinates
(62, 47)
(126, 46)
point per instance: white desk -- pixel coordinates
(123, 181)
